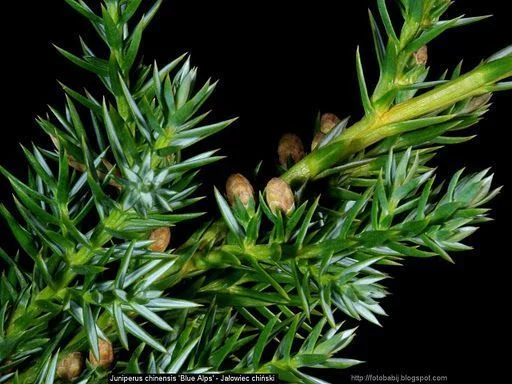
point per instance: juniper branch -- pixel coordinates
(277, 267)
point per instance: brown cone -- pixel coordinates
(290, 147)
(328, 121)
(106, 355)
(70, 367)
(238, 186)
(161, 237)
(279, 196)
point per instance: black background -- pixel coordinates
(278, 65)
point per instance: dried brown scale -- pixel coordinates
(279, 196)
(161, 237)
(421, 55)
(478, 101)
(106, 355)
(70, 367)
(319, 136)
(237, 185)
(290, 147)
(328, 122)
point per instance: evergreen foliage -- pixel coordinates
(261, 289)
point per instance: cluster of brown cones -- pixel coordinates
(291, 148)
(278, 194)
(279, 197)
(71, 366)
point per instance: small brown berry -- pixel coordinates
(238, 186)
(290, 147)
(70, 367)
(279, 196)
(328, 122)
(161, 237)
(106, 355)
(421, 55)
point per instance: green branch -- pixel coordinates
(375, 128)
(283, 267)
